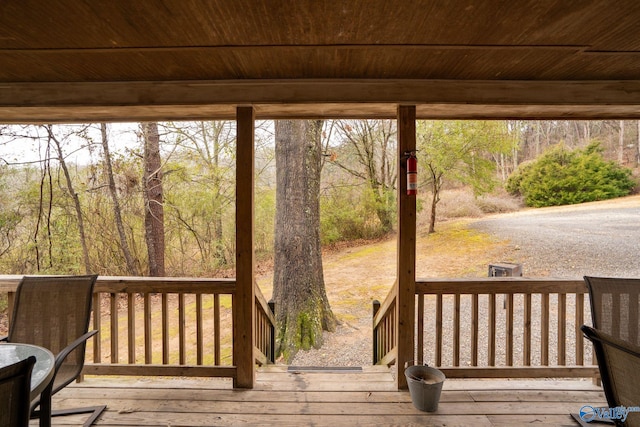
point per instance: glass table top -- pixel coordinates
(11, 353)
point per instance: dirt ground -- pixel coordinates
(357, 276)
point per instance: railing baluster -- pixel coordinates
(131, 325)
(389, 336)
(456, 330)
(114, 327)
(439, 330)
(181, 330)
(97, 325)
(491, 335)
(544, 330)
(474, 329)
(578, 332)
(148, 349)
(420, 328)
(526, 353)
(165, 328)
(199, 329)
(509, 334)
(272, 333)
(562, 328)
(216, 329)
(394, 331)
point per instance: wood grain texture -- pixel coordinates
(244, 299)
(281, 398)
(116, 65)
(406, 254)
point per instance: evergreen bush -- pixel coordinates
(563, 177)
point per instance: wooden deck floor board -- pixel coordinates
(147, 419)
(323, 399)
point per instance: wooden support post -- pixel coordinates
(244, 297)
(406, 273)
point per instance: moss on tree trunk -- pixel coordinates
(301, 329)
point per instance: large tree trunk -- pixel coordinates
(302, 307)
(124, 245)
(153, 199)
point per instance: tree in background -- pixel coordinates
(10, 216)
(562, 176)
(366, 151)
(132, 266)
(73, 194)
(459, 151)
(302, 307)
(200, 195)
(153, 198)
(39, 214)
(55, 218)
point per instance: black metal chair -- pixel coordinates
(15, 388)
(619, 365)
(54, 312)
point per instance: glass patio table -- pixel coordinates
(41, 375)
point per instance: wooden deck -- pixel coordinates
(327, 398)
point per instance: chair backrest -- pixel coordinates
(52, 312)
(619, 365)
(615, 305)
(15, 388)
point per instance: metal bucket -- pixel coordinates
(425, 386)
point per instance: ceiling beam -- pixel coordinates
(82, 101)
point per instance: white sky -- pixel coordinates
(26, 150)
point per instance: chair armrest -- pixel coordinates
(4, 339)
(60, 357)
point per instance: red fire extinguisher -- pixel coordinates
(412, 174)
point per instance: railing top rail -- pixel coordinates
(9, 282)
(191, 285)
(500, 285)
(384, 307)
(264, 304)
(121, 284)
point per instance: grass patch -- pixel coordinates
(456, 250)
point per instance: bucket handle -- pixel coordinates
(406, 365)
(412, 363)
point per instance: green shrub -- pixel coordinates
(348, 214)
(562, 177)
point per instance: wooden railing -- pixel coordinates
(384, 330)
(504, 327)
(265, 341)
(498, 327)
(167, 326)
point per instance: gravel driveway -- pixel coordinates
(600, 239)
